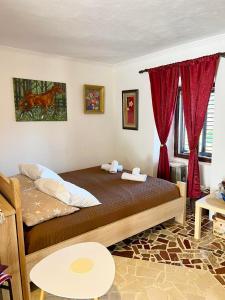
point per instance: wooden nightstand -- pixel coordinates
(211, 203)
(9, 247)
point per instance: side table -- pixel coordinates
(211, 203)
(81, 271)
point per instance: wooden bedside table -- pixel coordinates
(209, 202)
(9, 247)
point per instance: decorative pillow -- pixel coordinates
(53, 188)
(38, 207)
(30, 170)
(25, 182)
(36, 171)
(80, 197)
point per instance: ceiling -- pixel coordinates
(109, 31)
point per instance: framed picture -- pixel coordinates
(94, 99)
(37, 100)
(130, 109)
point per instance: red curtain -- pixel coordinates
(164, 87)
(197, 78)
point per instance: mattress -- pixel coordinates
(119, 198)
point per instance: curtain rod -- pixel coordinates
(222, 54)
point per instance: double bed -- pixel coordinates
(127, 208)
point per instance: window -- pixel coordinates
(181, 148)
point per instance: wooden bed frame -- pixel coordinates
(12, 251)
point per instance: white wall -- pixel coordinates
(134, 148)
(141, 147)
(84, 140)
(218, 165)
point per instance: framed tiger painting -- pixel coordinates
(130, 109)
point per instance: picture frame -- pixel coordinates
(38, 100)
(130, 109)
(94, 99)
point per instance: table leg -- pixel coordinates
(198, 219)
(42, 295)
(10, 290)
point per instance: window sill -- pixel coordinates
(200, 159)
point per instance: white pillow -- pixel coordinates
(80, 197)
(47, 173)
(36, 171)
(53, 188)
(30, 170)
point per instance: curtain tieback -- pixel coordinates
(162, 145)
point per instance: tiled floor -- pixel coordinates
(166, 263)
(174, 244)
(144, 280)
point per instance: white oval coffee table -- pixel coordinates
(81, 271)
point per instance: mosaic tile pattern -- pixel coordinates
(174, 244)
(144, 280)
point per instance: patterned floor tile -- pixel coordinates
(174, 244)
(143, 280)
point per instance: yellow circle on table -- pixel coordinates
(82, 265)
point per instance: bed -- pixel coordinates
(127, 208)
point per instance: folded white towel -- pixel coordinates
(139, 177)
(120, 168)
(114, 166)
(107, 167)
(136, 171)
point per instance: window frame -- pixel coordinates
(202, 156)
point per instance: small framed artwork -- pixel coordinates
(130, 109)
(94, 99)
(37, 100)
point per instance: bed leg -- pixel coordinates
(181, 217)
(27, 290)
(25, 282)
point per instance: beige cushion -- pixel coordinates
(38, 207)
(25, 182)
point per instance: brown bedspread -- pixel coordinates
(119, 198)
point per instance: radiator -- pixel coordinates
(178, 172)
